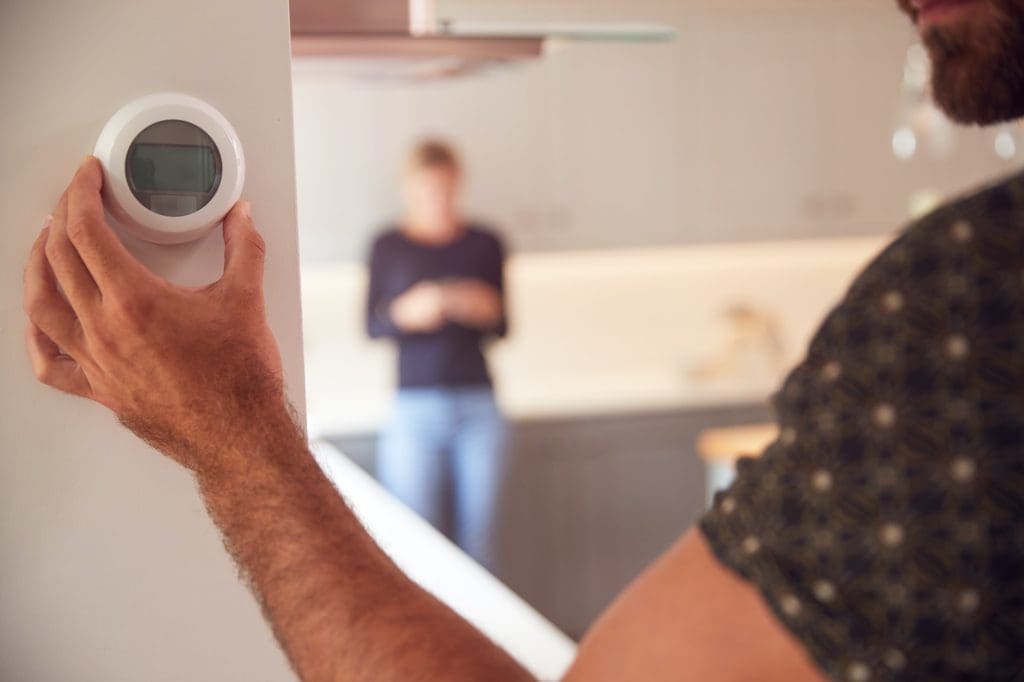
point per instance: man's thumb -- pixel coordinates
(244, 248)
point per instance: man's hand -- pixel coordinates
(184, 368)
(420, 309)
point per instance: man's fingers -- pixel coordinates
(45, 305)
(71, 274)
(84, 191)
(244, 250)
(109, 263)
(52, 368)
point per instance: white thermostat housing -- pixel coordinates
(173, 167)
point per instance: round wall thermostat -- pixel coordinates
(173, 167)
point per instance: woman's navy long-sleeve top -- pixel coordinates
(452, 355)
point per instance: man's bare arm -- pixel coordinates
(340, 607)
(688, 618)
(195, 371)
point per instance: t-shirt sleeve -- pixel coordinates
(883, 527)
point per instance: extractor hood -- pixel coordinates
(407, 39)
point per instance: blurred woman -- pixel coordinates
(437, 289)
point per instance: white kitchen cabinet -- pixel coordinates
(589, 502)
(865, 188)
(798, 112)
(761, 107)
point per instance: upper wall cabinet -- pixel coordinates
(798, 114)
(755, 124)
(761, 124)
(865, 187)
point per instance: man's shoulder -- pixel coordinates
(994, 211)
(948, 269)
(979, 233)
(905, 412)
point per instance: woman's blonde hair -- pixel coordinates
(432, 154)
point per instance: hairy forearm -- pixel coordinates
(340, 608)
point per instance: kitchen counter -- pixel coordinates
(603, 332)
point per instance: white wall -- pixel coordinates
(109, 567)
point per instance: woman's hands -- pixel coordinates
(473, 303)
(187, 369)
(420, 309)
(427, 305)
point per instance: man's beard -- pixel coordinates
(978, 66)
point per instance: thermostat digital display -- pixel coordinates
(174, 167)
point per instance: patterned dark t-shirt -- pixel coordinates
(885, 526)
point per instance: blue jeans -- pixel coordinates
(443, 455)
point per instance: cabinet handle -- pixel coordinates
(815, 206)
(843, 205)
(831, 205)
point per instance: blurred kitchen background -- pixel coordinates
(685, 189)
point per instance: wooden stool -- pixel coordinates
(721, 447)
